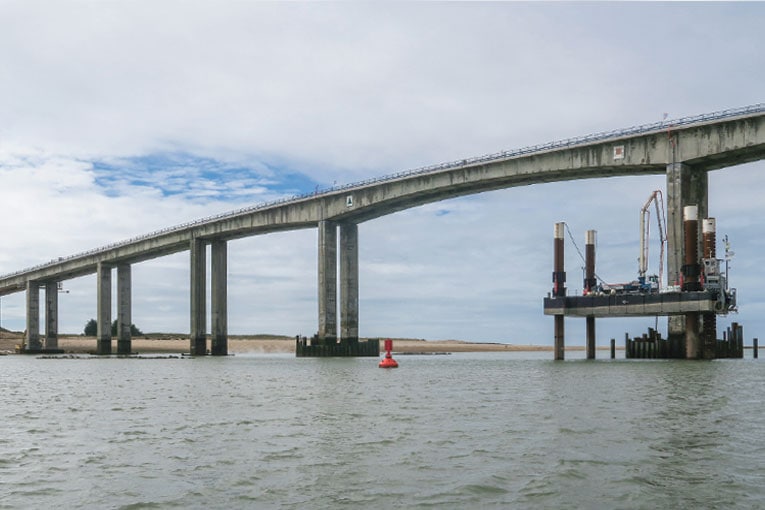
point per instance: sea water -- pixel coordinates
(488, 430)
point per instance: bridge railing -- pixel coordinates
(486, 158)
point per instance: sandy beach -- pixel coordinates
(154, 344)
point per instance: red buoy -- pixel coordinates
(388, 361)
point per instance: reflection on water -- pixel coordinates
(486, 429)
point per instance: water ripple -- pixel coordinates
(468, 431)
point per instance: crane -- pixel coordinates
(645, 215)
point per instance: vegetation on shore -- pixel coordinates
(91, 329)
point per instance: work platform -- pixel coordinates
(635, 305)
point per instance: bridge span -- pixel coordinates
(683, 149)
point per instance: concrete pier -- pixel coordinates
(349, 282)
(104, 309)
(124, 310)
(327, 282)
(219, 298)
(685, 186)
(325, 342)
(51, 315)
(198, 298)
(32, 341)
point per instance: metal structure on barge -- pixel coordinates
(699, 295)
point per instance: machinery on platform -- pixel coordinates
(647, 283)
(703, 286)
(654, 282)
(712, 279)
(715, 282)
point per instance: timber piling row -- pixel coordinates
(652, 346)
(316, 348)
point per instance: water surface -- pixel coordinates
(491, 430)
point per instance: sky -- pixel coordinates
(121, 118)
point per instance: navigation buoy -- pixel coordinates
(388, 361)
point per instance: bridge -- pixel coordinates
(685, 150)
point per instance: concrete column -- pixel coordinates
(104, 309)
(685, 186)
(32, 340)
(51, 315)
(124, 309)
(219, 303)
(327, 281)
(198, 334)
(349, 282)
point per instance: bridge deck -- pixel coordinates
(703, 142)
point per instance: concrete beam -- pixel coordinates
(104, 309)
(124, 309)
(198, 312)
(32, 340)
(327, 281)
(51, 315)
(705, 146)
(219, 303)
(349, 282)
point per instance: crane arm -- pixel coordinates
(645, 215)
(661, 219)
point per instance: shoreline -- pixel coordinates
(242, 344)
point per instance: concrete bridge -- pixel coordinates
(684, 149)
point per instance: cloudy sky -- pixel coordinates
(117, 119)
